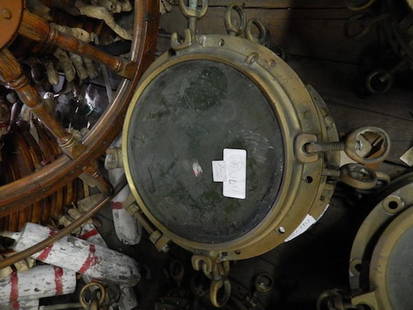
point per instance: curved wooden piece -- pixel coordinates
(55, 175)
(10, 17)
(23, 156)
(37, 29)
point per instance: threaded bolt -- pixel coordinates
(324, 147)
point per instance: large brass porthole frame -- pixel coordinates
(374, 243)
(304, 190)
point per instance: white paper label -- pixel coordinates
(232, 171)
(305, 224)
(218, 171)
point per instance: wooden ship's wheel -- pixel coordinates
(43, 175)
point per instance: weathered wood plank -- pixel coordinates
(282, 3)
(315, 33)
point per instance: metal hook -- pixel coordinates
(99, 295)
(245, 28)
(202, 263)
(262, 36)
(217, 272)
(216, 286)
(176, 45)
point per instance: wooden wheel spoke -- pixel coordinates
(12, 75)
(38, 29)
(93, 177)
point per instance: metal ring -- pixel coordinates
(358, 176)
(229, 25)
(82, 298)
(353, 143)
(383, 77)
(263, 283)
(216, 286)
(261, 28)
(332, 299)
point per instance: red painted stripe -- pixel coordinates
(45, 253)
(15, 305)
(116, 205)
(14, 291)
(58, 274)
(90, 261)
(89, 234)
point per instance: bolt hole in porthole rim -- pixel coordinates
(356, 267)
(376, 240)
(309, 179)
(261, 71)
(393, 204)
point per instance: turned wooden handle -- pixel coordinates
(12, 74)
(39, 30)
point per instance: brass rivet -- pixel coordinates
(5, 13)
(252, 58)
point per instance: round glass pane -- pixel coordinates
(182, 122)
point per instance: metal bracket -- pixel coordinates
(188, 40)
(193, 13)
(300, 142)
